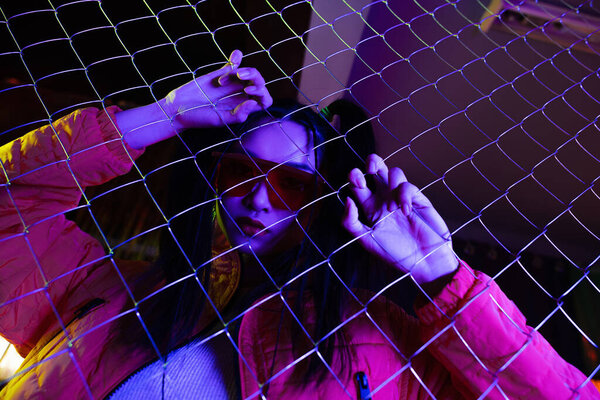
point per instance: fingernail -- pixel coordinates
(243, 74)
(406, 210)
(222, 80)
(236, 57)
(249, 89)
(347, 205)
(362, 182)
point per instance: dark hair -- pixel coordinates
(186, 249)
(337, 151)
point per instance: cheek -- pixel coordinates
(283, 223)
(229, 206)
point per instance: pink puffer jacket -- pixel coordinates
(61, 294)
(471, 341)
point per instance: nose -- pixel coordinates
(258, 198)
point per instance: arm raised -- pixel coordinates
(225, 96)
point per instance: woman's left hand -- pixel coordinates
(401, 226)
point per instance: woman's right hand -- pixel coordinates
(398, 224)
(225, 96)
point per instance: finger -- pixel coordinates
(350, 220)
(395, 177)
(376, 166)
(358, 186)
(241, 112)
(261, 94)
(229, 85)
(235, 58)
(234, 61)
(412, 199)
(230, 66)
(406, 194)
(251, 75)
(226, 79)
(217, 74)
(265, 98)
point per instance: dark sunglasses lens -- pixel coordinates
(294, 190)
(287, 186)
(234, 177)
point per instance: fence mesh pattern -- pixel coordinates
(489, 107)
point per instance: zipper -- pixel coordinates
(362, 386)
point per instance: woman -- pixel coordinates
(274, 206)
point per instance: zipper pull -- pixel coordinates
(362, 385)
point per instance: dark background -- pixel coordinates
(498, 127)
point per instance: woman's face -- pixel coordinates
(257, 216)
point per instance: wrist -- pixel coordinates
(441, 262)
(430, 290)
(146, 125)
(170, 111)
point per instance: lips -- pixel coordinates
(250, 227)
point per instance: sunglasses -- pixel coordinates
(288, 187)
